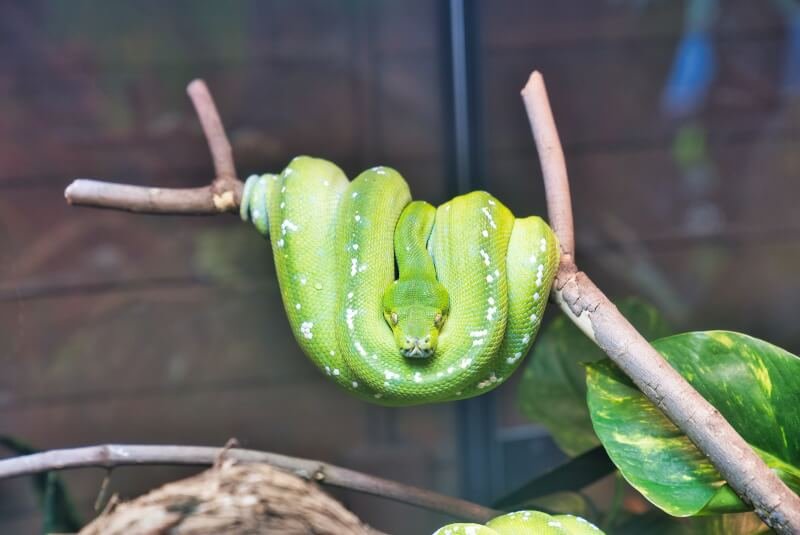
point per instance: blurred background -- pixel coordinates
(679, 123)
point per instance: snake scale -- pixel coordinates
(399, 302)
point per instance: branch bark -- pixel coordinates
(113, 455)
(600, 320)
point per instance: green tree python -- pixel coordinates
(396, 301)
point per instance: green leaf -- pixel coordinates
(553, 386)
(754, 384)
(657, 522)
(572, 475)
(58, 510)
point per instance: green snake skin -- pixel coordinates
(525, 523)
(473, 285)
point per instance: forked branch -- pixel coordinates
(596, 316)
(113, 455)
(223, 194)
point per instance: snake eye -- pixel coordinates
(437, 319)
(393, 317)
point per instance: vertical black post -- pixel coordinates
(475, 417)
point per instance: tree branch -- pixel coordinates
(600, 320)
(114, 455)
(223, 194)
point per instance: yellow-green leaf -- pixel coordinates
(754, 384)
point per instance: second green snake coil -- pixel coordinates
(337, 244)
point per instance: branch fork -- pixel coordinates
(223, 194)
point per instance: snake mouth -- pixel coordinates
(416, 352)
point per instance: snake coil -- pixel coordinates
(333, 243)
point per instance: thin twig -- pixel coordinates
(223, 194)
(218, 144)
(596, 316)
(144, 199)
(554, 167)
(113, 455)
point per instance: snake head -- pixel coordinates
(416, 311)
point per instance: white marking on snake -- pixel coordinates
(417, 377)
(390, 375)
(360, 348)
(303, 281)
(328, 369)
(355, 384)
(350, 314)
(536, 296)
(287, 225)
(491, 300)
(489, 279)
(333, 352)
(357, 217)
(533, 317)
(297, 306)
(281, 242)
(326, 183)
(283, 204)
(490, 312)
(465, 363)
(488, 215)
(288, 171)
(526, 338)
(355, 247)
(515, 358)
(479, 334)
(543, 245)
(305, 328)
(336, 371)
(478, 342)
(353, 267)
(485, 256)
(350, 295)
(256, 214)
(491, 202)
(485, 233)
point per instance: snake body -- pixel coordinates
(525, 523)
(336, 244)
